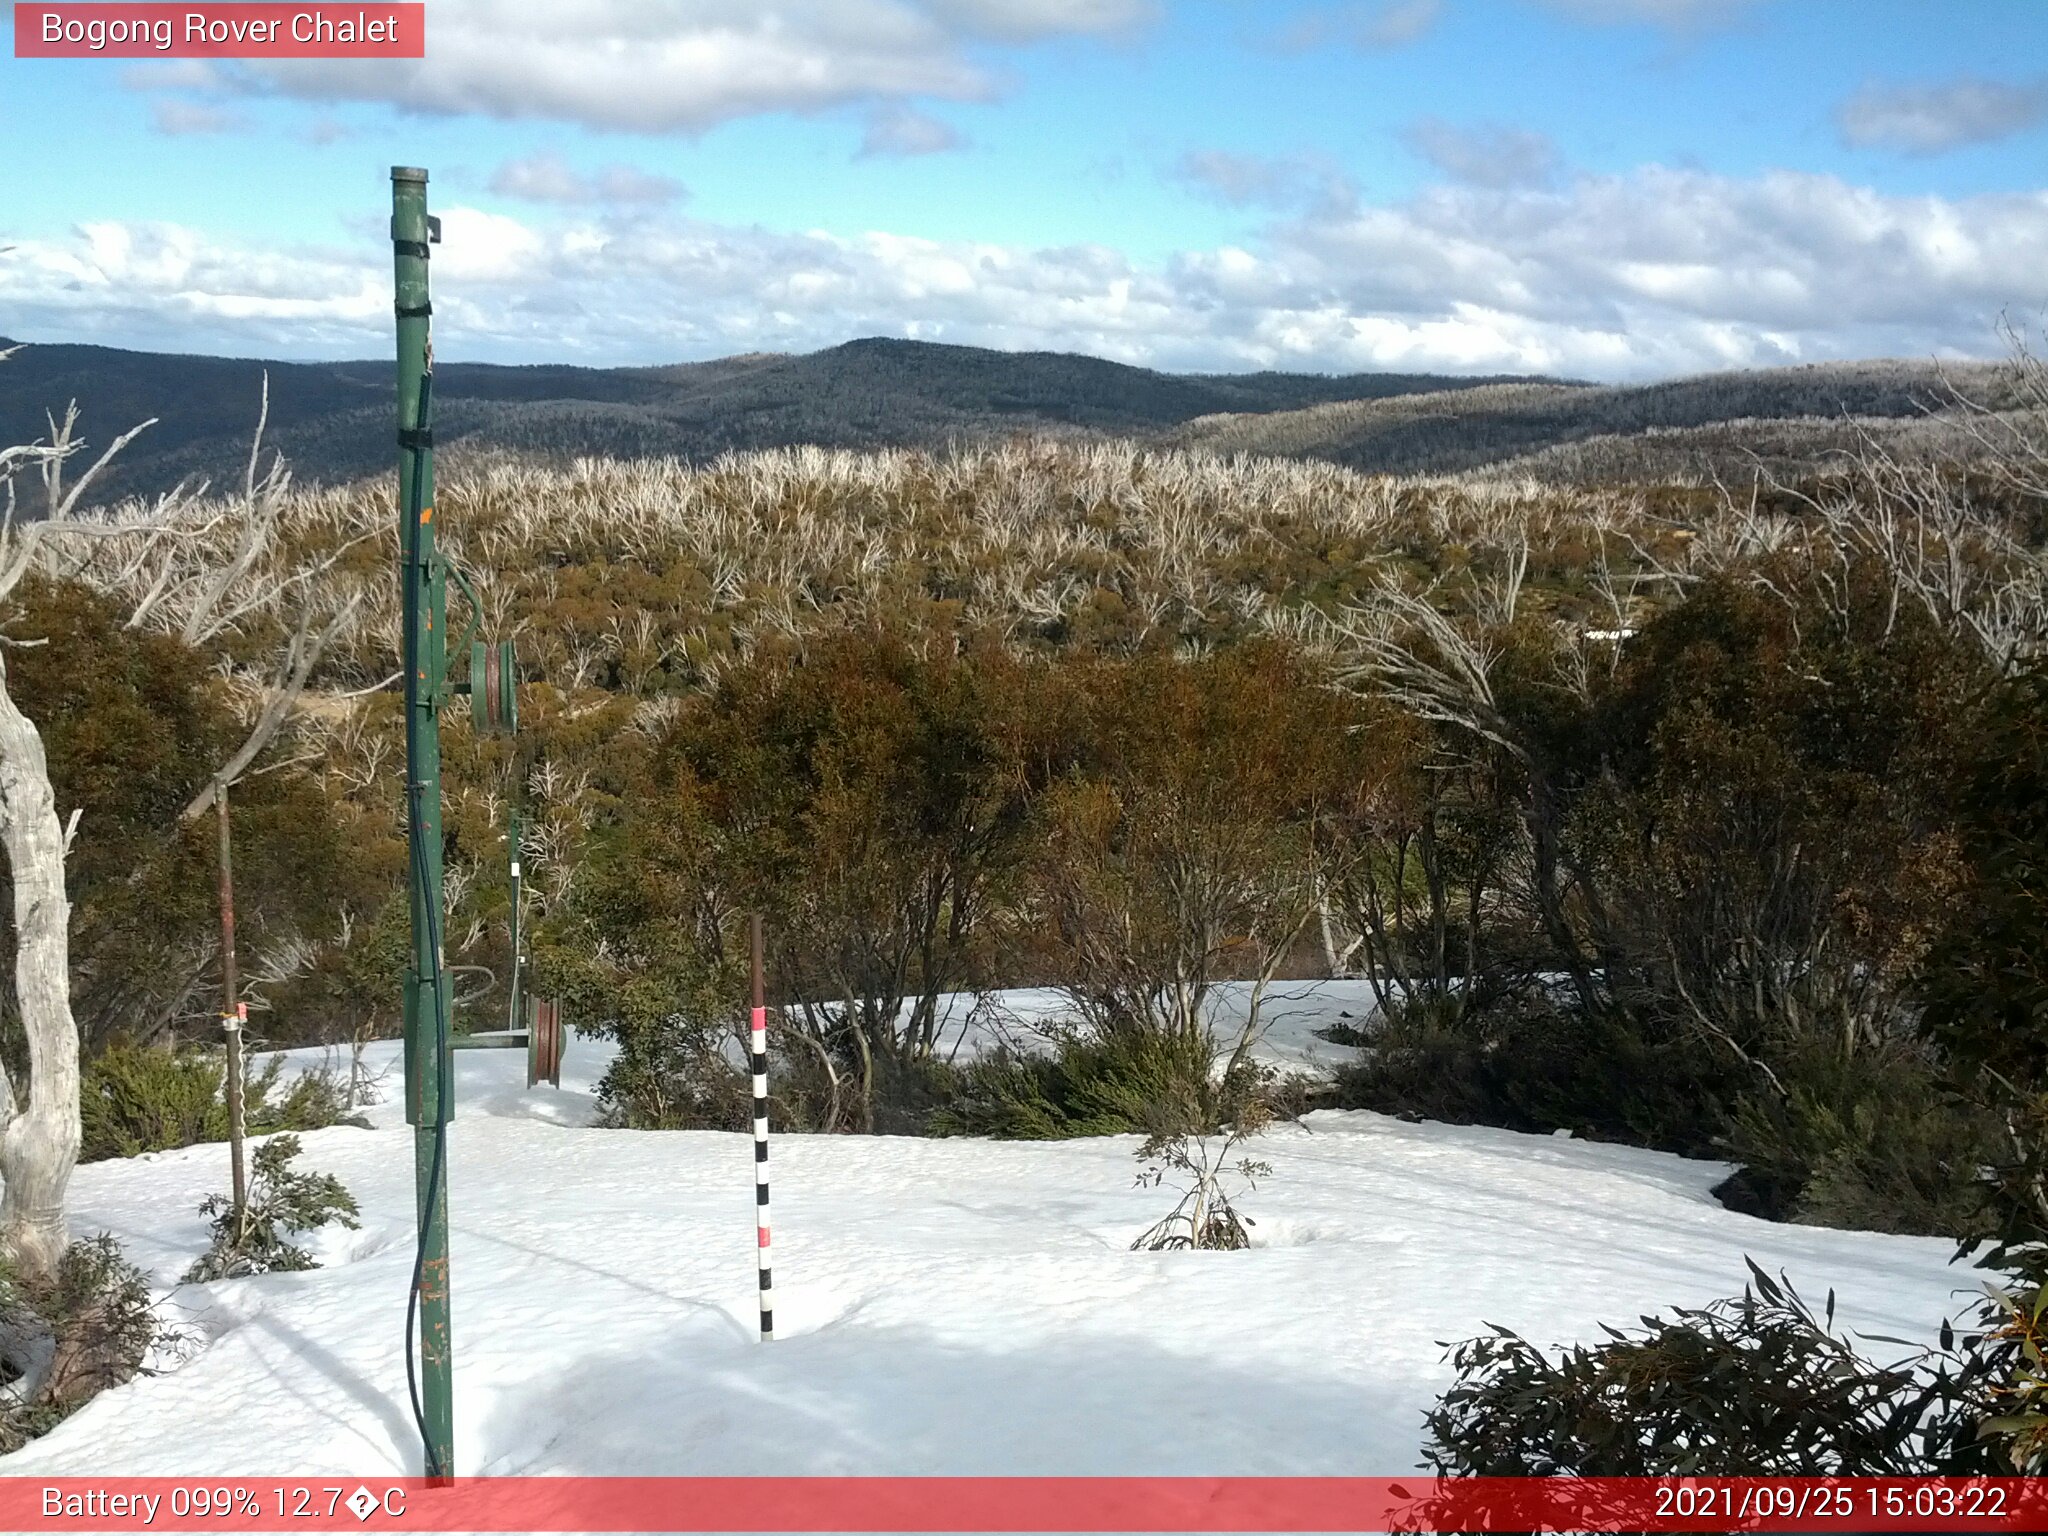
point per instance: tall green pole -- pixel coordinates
(428, 1081)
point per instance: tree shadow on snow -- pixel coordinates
(859, 1399)
(304, 1356)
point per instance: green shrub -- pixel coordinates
(1423, 1061)
(312, 1101)
(135, 1099)
(1986, 982)
(1525, 1063)
(89, 1328)
(909, 1093)
(669, 1075)
(1754, 1387)
(1013, 1097)
(2014, 1351)
(1110, 1084)
(282, 1201)
(1875, 1141)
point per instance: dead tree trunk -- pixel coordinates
(38, 1141)
(39, 1138)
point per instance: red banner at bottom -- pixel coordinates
(1062, 1504)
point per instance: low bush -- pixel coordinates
(670, 1075)
(1876, 1141)
(283, 1201)
(135, 1099)
(68, 1339)
(2014, 1350)
(132, 1099)
(1751, 1387)
(909, 1093)
(1114, 1083)
(1527, 1063)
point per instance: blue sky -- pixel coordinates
(1605, 188)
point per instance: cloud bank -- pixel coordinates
(1649, 274)
(655, 66)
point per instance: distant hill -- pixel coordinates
(1683, 426)
(334, 420)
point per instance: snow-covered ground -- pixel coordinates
(943, 1306)
(1292, 1018)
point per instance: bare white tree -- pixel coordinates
(199, 569)
(39, 1135)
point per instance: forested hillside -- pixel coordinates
(333, 420)
(1794, 417)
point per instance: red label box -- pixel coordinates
(164, 1505)
(108, 29)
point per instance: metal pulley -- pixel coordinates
(543, 1042)
(493, 688)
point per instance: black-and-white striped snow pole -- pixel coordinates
(760, 1051)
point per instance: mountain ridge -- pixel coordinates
(333, 420)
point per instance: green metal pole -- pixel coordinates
(428, 1064)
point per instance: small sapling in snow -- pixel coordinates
(283, 1201)
(1210, 1184)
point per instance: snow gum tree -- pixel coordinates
(1192, 846)
(39, 1131)
(204, 570)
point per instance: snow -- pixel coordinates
(1291, 1014)
(959, 1307)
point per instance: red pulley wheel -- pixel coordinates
(550, 1025)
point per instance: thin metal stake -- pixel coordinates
(760, 1043)
(233, 1013)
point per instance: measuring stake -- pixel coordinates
(760, 1043)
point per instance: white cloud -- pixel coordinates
(1382, 24)
(1369, 24)
(1030, 20)
(899, 131)
(685, 65)
(1681, 15)
(1241, 180)
(1490, 155)
(548, 178)
(489, 248)
(1928, 119)
(1648, 274)
(169, 115)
